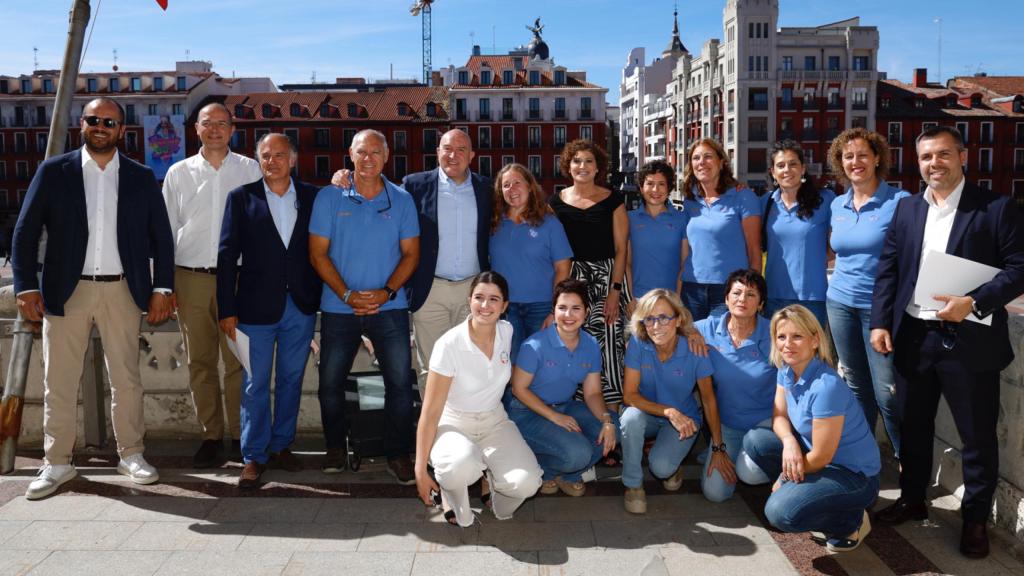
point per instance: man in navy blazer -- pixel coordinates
(271, 297)
(104, 218)
(941, 351)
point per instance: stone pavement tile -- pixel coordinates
(728, 561)
(104, 563)
(603, 562)
(650, 533)
(946, 556)
(289, 510)
(300, 537)
(18, 562)
(231, 563)
(418, 537)
(187, 536)
(55, 508)
(609, 508)
(481, 563)
(736, 531)
(85, 535)
(158, 509)
(512, 536)
(862, 562)
(8, 529)
(345, 563)
(372, 510)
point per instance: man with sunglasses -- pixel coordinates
(941, 351)
(195, 191)
(364, 243)
(104, 219)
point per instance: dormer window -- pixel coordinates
(508, 77)
(975, 100)
(239, 111)
(353, 110)
(403, 109)
(295, 109)
(431, 109)
(485, 77)
(463, 77)
(918, 103)
(559, 77)
(268, 111)
(950, 101)
(886, 102)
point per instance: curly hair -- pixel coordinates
(570, 150)
(875, 140)
(657, 167)
(536, 207)
(808, 197)
(725, 178)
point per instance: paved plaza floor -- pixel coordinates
(363, 523)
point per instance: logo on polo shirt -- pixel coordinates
(344, 213)
(534, 233)
(678, 372)
(385, 215)
(646, 367)
(840, 218)
(550, 363)
(504, 357)
(586, 364)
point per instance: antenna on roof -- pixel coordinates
(35, 58)
(115, 59)
(938, 20)
(188, 54)
(312, 79)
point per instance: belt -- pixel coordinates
(200, 270)
(452, 281)
(102, 277)
(930, 324)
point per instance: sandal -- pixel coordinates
(449, 514)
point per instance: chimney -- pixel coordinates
(476, 49)
(920, 77)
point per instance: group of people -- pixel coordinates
(552, 332)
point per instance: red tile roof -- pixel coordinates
(370, 106)
(1000, 85)
(498, 63)
(936, 101)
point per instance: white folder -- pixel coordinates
(943, 274)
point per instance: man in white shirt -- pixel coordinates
(195, 191)
(104, 219)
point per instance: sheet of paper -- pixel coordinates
(240, 348)
(945, 274)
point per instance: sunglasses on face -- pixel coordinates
(96, 120)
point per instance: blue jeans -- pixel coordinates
(263, 434)
(666, 454)
(831, 500)
(559, 451)
(340, 338)
(817, 307)
(868, 373)
(526, 318)
(714, 487)
(703, 300)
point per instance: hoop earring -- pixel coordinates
(803, 179)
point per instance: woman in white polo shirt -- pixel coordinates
(463, 427)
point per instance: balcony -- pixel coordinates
(534, 143)
(483, 116)
(860, 106)
(787, 135)
(757, 106)
(561, 115)
(835, 105)
(461, 115)
(786, 105)
(508, 115)
(585, 114)
(484, 144)
(507, 144)
(758, 136)
(534, 115)
(986, 139)
(831, 133)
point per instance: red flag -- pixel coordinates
(162, 3)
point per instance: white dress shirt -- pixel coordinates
(937, 228)
(456, 228)
(102, 256)
(284, 210)
(195, 193)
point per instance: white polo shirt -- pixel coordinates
(478, 382)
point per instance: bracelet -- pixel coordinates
(344, 297)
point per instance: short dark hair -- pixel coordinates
(750, 279)
(936, 131)
(657, 167)
(570, 150)
(571, 286)
(491, 277)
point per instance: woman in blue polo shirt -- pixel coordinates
(529, 247)
(822, 452)
(567, 436)
(661, 375)
(796, 227)
(723, 231)
(739, 346)
(860, 218)
(657, 233)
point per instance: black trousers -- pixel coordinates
(928, 364)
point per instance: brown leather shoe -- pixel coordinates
(401, 469)
(286, 460)
(974, 540)
(250, 477)
(901, 511)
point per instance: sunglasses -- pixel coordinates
(95, 120)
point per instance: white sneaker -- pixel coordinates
(49, 478)
(137, 469)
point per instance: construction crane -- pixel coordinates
(422, 7)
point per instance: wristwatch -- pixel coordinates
(974, 308)
(344, 297)
(617, 286)
(718, 447)
(391, 293)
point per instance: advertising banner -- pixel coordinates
(164, 141)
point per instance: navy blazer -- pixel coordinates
(56, 201)
(423, 188)
(255, 291)
(986, 229)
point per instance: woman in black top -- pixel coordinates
(595, 221)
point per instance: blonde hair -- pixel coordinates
(806, 323)
(646, 305)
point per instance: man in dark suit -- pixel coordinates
(272, 298)
(941, 351)
(105, 218)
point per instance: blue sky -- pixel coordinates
(290, 40)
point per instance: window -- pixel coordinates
(48, 85)
(832, 124)
(158, 83)
(131, 141)
(151, 109)
(559, 136)
(985, 160)
(986, 132)
(176, 109)
(559, 77)
(961, 127)
(1018, 136)
(861, 62)
(41, 116)
(586, 109)
(534, 77)
(895, 160)
(293, 135)
(463, 77)
(809, 133)
(732, 99)
(129, 114)
(860, 98)
(859, 122)
(560, 108)
(787, 62)
(534, 108)
(833, 99)
(809, 97)
(758, 99)
(485, 77)
(483, 139)
(506, 160)
(91, 85)
(730, 129)
(181, 83)
(4, 88)
(322, 137)
(809, 63)
(535, 166)
(136, 85)
(508, 77)
(485, 109)
(114, 84)
(430, 141)
(295, 110)
(886, 102)
(506, 109)
(757, 129)
(323, 166)
(430, 161)
(238, 140)
(484, 166)
(26, 85)
(985, 184)
(750, 30)
(3, 170)
(508, 137)
(260, 133)
(896, 133)
(21, 170)
(1018, 160)
(586, 132)
(20, 143)
(400, 143)
(401, 167)
(533, 136)
(556, 169)
(833, 63)
(460, 108)
(347, 136)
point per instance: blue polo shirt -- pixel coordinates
(558, 372)
(525, 255)
(744, 378)
(656, 246)
(671, 382)
(717, 244)
(857, 239)
(821, 393)
(364, 237)
(797, 249)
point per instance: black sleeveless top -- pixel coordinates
(591, 231)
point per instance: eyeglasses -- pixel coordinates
(95, 120)
(357, 200)
(660, 320)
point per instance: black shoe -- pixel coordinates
(974, 540)
(901, 511)
(235, 455)
(209, 455)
